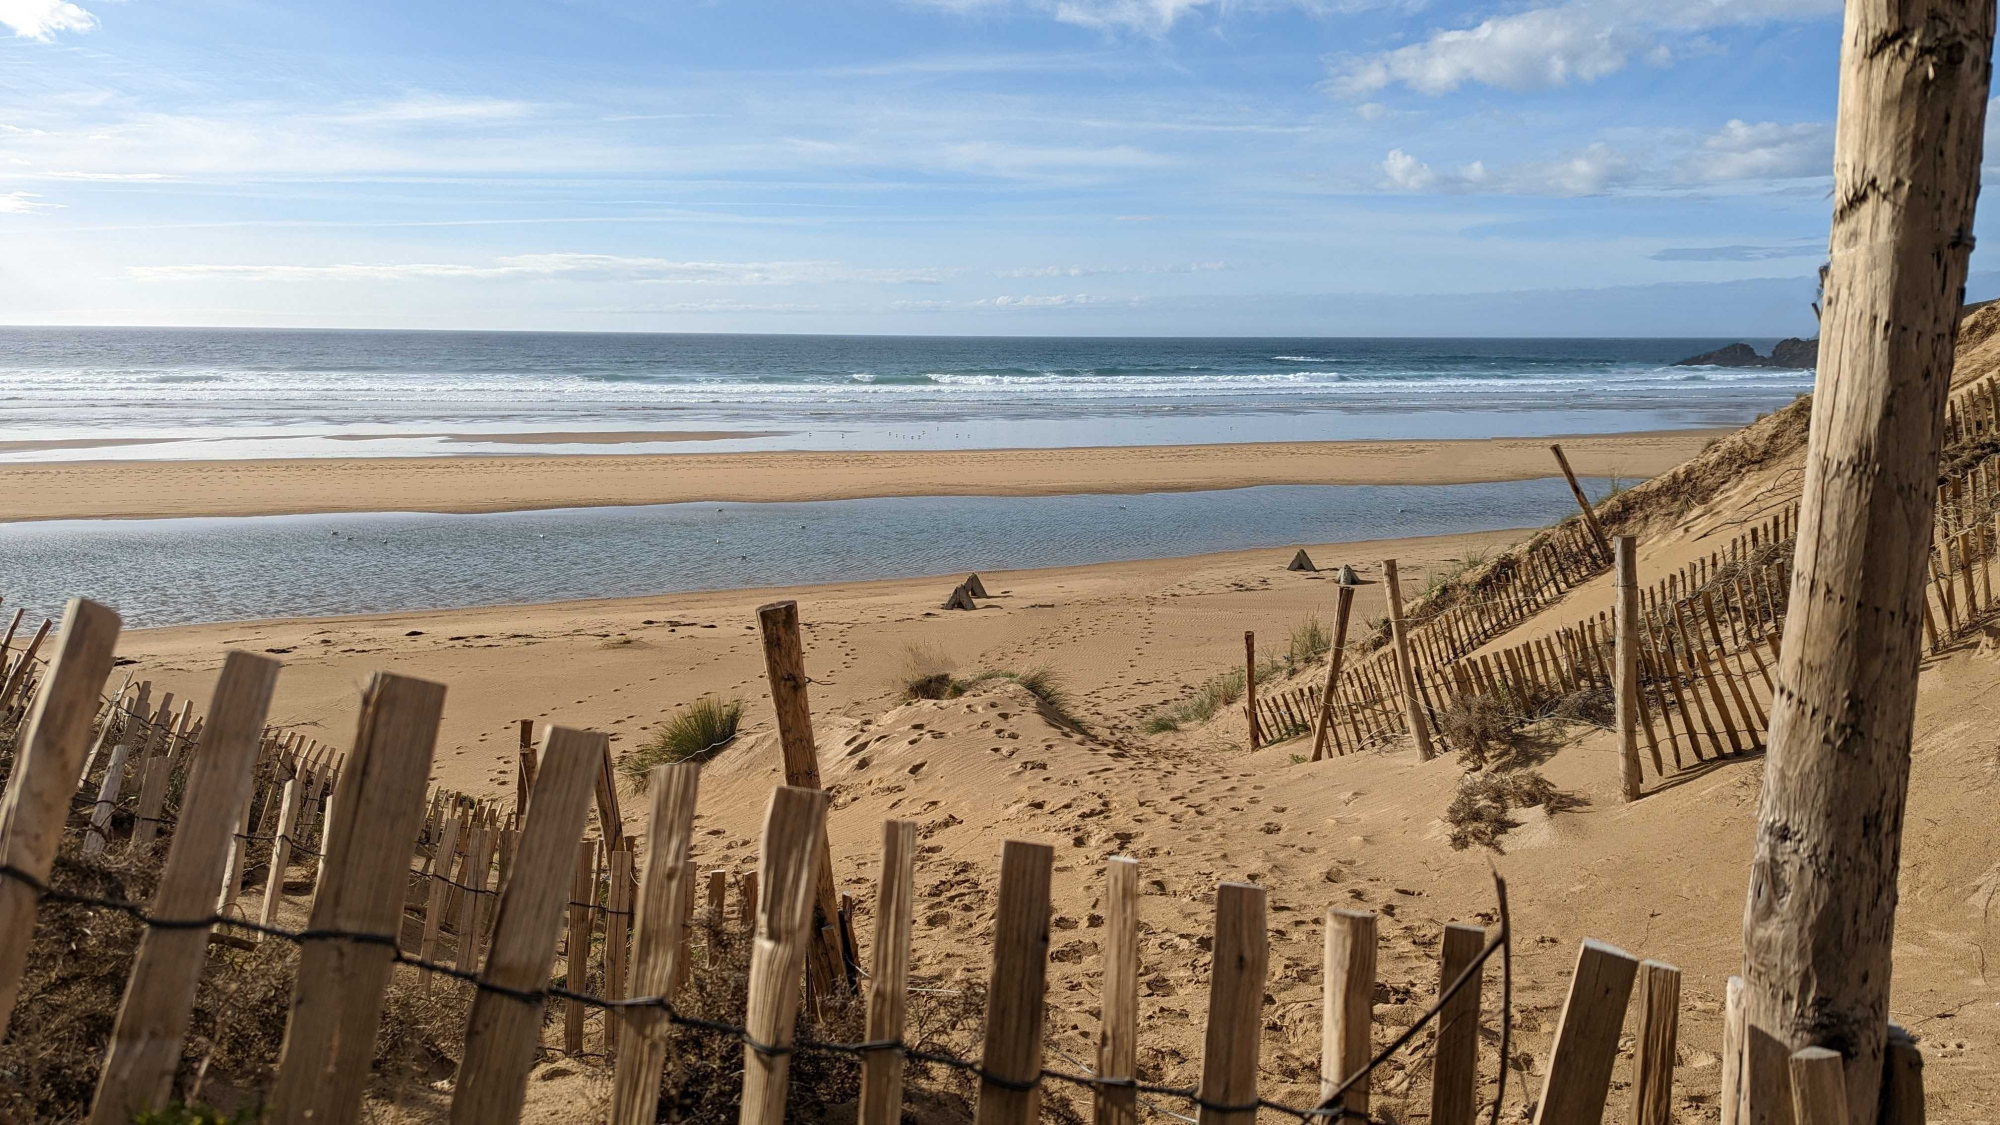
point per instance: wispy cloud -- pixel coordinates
(1143, 17)
(1765, 150)
(1591, 170)
(1022, 302)
(1736, 253)
(563, 266)
(22, 203)
(1547, 47)
(1094, 271)
(42, 19)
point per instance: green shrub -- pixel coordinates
(1310, 641)
(927, 674)
(697, 732)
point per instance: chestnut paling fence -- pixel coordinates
(466, 894)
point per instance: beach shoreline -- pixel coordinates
(118, 489)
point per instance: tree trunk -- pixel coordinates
(1820, 920)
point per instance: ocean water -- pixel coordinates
(205, 393)
(173, 571)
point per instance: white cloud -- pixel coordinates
(1591, 170)
(1094, 271)
(21, 203)
(1548, 47)
(563, 266)
(1008, 302)
(1145, 17)
(1761, 151)
(41, 19)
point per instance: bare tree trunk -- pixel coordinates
(1820, 920)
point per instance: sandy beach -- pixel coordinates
(154, 489)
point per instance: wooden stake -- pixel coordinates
(1250, 688)
(1658, 1021)
(577, 951)
(1017, 987)
(1406, 676)
(440, 897)
(159, 994)
(784, 665)
(1626, 673)
(1586, 1042)
(337, 1003)
(656, 942)
(1343, 606)
(281, 855)
(1583, 502)
(794, 846)
(502, 1033)
(1118, 1007)
(1455, 1074)
(1819, 1087)
(889, 975)
(1242, 953)
(1348, 1006)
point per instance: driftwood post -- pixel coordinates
(656, 944)
(1589, 514)
(1626, 673)
(1820, 917)
(784, 664)
(1420, 731)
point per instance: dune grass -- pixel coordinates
(697, 732)
(930, 674)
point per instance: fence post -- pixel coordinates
(1819, 1087)
(1420, 731)
(49, 751)
(889, 975)
(1626, 657)
(1242, 953)
(1118, 1015)
(98, 836)
(656, 944)
(1586, 1042)
(794, 846)
(1017, 988)
(1455, 1074)
(441, 863)
(1658, 1020)
(501, 1034)
(1250, 687)
(1348, 1005)
(337, 1003)
(465, 956)
(524, 770)
(785, 667)
(1589, 514)
(281, 854)
(159, 995)
(576, 959)
(27, 662)
(617, 934)
(1343, 602)
(1902, 1080)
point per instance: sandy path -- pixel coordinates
(149, 489)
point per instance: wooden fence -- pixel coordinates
(495, 885)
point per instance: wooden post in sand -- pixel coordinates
(1420, 731)
(827, 965)
(1343, 605)
(1251, 687)
(1820, 916)
(1589, 514)
(1626, 658)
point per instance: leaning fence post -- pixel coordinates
(785, 667)
(1017, 991)
(656, 944)
(1347, 1006)
(794, 841)
(1406, 674)
(1455, 1074)
(1586, 1043)
(159, 994)
(36, 802)
(1343, 602)
(501, 1034)
(1589, 514)
(281, 853)
(889, 976)
(97, 837)
(337, 1003)
(1118, 1015)
(1242, 951)
(1658, 1021)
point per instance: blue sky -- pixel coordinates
(1561, 167)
